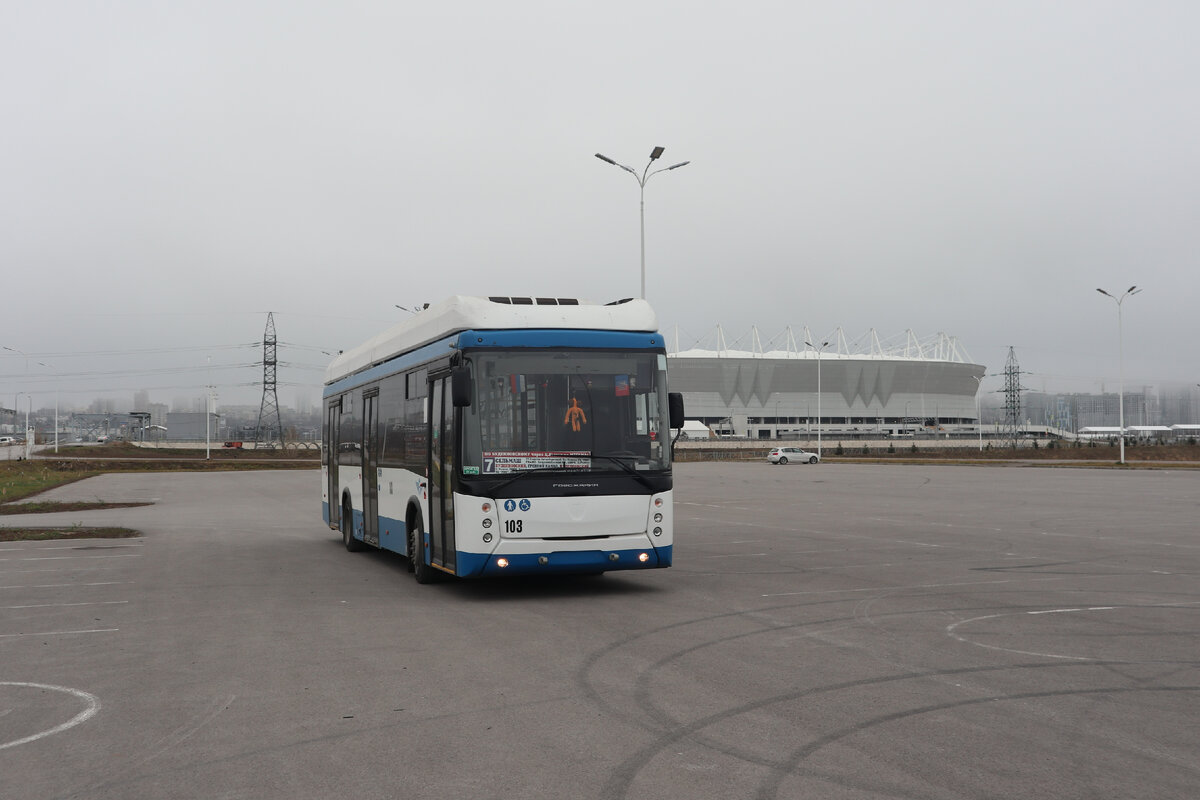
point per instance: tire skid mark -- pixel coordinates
(626, 772)
(770, 788)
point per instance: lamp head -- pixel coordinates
(656, 152)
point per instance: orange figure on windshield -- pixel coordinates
(575, 416)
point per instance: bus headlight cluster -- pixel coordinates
(487, 522)
(487, 537)
(658, 517)
(658, 531)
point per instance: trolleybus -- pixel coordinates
(505, 435)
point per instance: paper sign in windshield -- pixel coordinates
(499, 463)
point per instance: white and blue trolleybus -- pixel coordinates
(505, 435)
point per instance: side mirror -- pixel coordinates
(675, 409)
(460, 387)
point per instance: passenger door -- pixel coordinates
(441, 475)
(333, 419)
(370, 467)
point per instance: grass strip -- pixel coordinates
(51, 506)
(72, 532)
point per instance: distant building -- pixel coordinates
(189, 427)
(912, 386)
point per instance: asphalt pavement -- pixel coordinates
(827, 631)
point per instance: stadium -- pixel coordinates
(867, 388)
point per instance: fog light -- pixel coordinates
(643, 557)
(658, 531)
(658, 517)
(543, 560)
(487, 537)
(614, 557)
(501, 562)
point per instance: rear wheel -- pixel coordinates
(352, 544)
(783, 459)
(416, 553)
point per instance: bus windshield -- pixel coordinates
(571, 410)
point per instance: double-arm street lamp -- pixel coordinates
(641, 179)
(818, 349)
(1132, 290)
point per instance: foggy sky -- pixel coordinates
(169, 172)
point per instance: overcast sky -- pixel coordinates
(171, 171)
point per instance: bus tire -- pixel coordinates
(352, 544)
(416, 553)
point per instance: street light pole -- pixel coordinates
(818, 349)
(1132, 290)
(642, 179)
(978, 409)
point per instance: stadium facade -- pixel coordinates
(868, 388)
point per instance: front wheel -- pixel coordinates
(416, 554)
(352, 544)
(812, 460)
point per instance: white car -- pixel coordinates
(788, 455)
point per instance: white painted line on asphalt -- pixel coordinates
(74, 546)
(950, 632)
(93, 705)
(64, 605)
(890, 589)
(1069, 610)
(737, 555)
(55, 569)
(69, 558)
(90, 547)
(58, 633)
(61, 585)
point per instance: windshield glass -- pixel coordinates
(584, 410)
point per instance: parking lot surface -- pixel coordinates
(832, 631)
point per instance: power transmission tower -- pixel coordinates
(1011, 428)
(271, 435)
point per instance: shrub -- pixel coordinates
(840, 451)
(892, 446)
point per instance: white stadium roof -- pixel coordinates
(904, 347)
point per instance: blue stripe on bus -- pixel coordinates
(397, 364)
(562, 337)
(561, 562)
